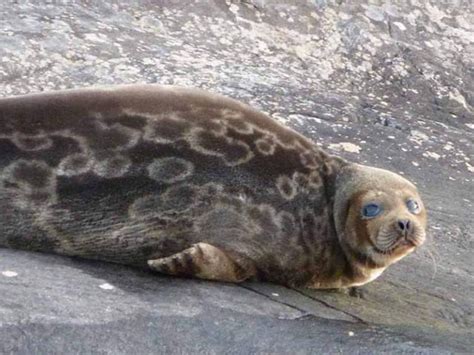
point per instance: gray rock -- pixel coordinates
(394, 80)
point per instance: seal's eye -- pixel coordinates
(371, 210)
(413, 206)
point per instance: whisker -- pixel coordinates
(435, 266)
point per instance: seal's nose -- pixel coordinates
(403, 225)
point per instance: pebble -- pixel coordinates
(9, 273)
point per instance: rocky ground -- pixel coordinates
(388, 84)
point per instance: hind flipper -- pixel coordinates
(203, 261)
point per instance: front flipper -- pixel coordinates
(204, 261)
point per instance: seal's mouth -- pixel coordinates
(405, 244)
(398, 244)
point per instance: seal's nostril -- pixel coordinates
(404, 225)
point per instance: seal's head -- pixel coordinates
(379, 216)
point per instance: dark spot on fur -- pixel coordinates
(115, 166)
(74, 165)
(170, 169)
(100, 137)
(31, 173)
(233, 152)
(167, 129)
(310, 159)
(212, 125)
(287, 187)
(130, 121)
(265, 145)
(221, 218)
(179, 198)
(239, 125)
(32, 143)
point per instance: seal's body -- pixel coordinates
(193, 184)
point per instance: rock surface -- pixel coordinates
(386, 84)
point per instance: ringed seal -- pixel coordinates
(192, 184)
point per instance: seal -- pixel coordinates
(197, 185)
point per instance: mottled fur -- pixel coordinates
(182, 181)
